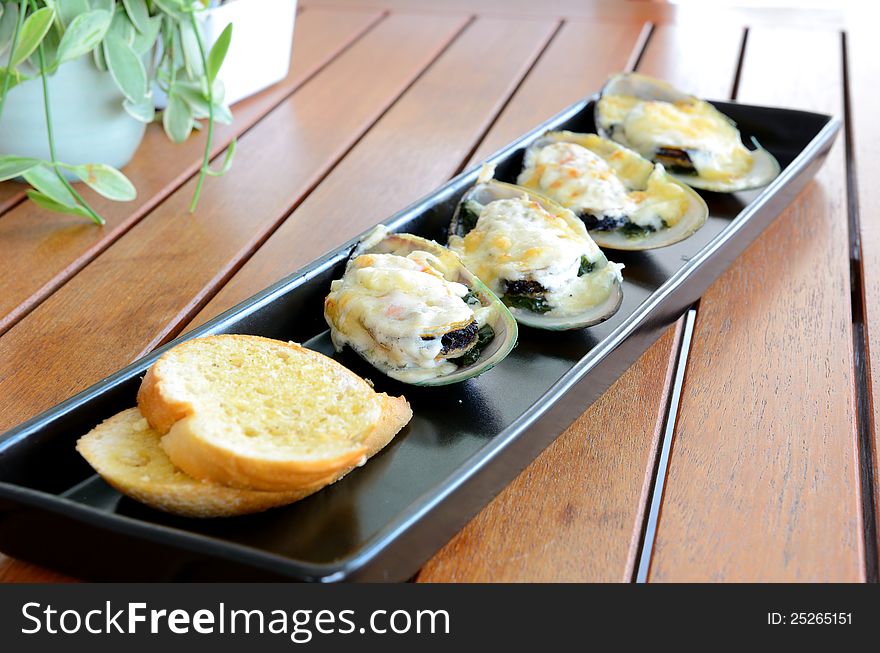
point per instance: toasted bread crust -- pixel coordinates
(396, 413)
(106, 446)
(189, 448)
(202, 459)
(160, 409)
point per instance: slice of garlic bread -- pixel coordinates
(125, 451)
(256, 413)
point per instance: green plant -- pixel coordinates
(143, 44)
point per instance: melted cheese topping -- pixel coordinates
(518, 240)
(385, 304)
(578, 179)
(586, 182)
(712, 142)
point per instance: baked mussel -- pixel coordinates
(536, 255)
(410, 308)
(694, 141)
(625, 201)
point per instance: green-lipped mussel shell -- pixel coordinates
(500, 319)
(639, 168)
(492, 190)
(765, 168)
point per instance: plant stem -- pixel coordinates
(21, 9)
(48, 113)
(207, 158)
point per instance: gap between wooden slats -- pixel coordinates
(862, 69)
(667, 61)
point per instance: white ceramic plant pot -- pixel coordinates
(262, 38)
(88, 121)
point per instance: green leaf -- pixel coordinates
(7, 26)
(145, 110)
(143, 41)
(49, 45)
(139, 14)
(84, 34)
(46, 180)
(218, 91)
(198, 86)
(173, 8)
(98, 57)
(218, 53)
(47, 202)
(227, 161)
(222, 114)
(121, 26)
(105, 180)
(198, 102)
(32, 32)
(107, 5)
(52, 193)
(16, 78)
(176, 47)
(126, 68)
(192, 55)
(14, 166)
(68, 10)
(177, 119)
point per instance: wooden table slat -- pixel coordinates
(864, 102)
(677, 53)
(11, 193)
(140, 290)
(567, 72)
(40, 250)
(762, 481)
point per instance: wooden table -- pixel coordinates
(769, 467)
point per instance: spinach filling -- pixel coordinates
(485, 335)
(468, 215)
(632, 230)
(676, 161)
(523, 287)
(526, 302)
(618, 223)
(605, 223)
(471, 299)
(459, 339)
(527, 295)
(587, 266)
(456, 339)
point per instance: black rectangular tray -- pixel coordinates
(464, 444)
